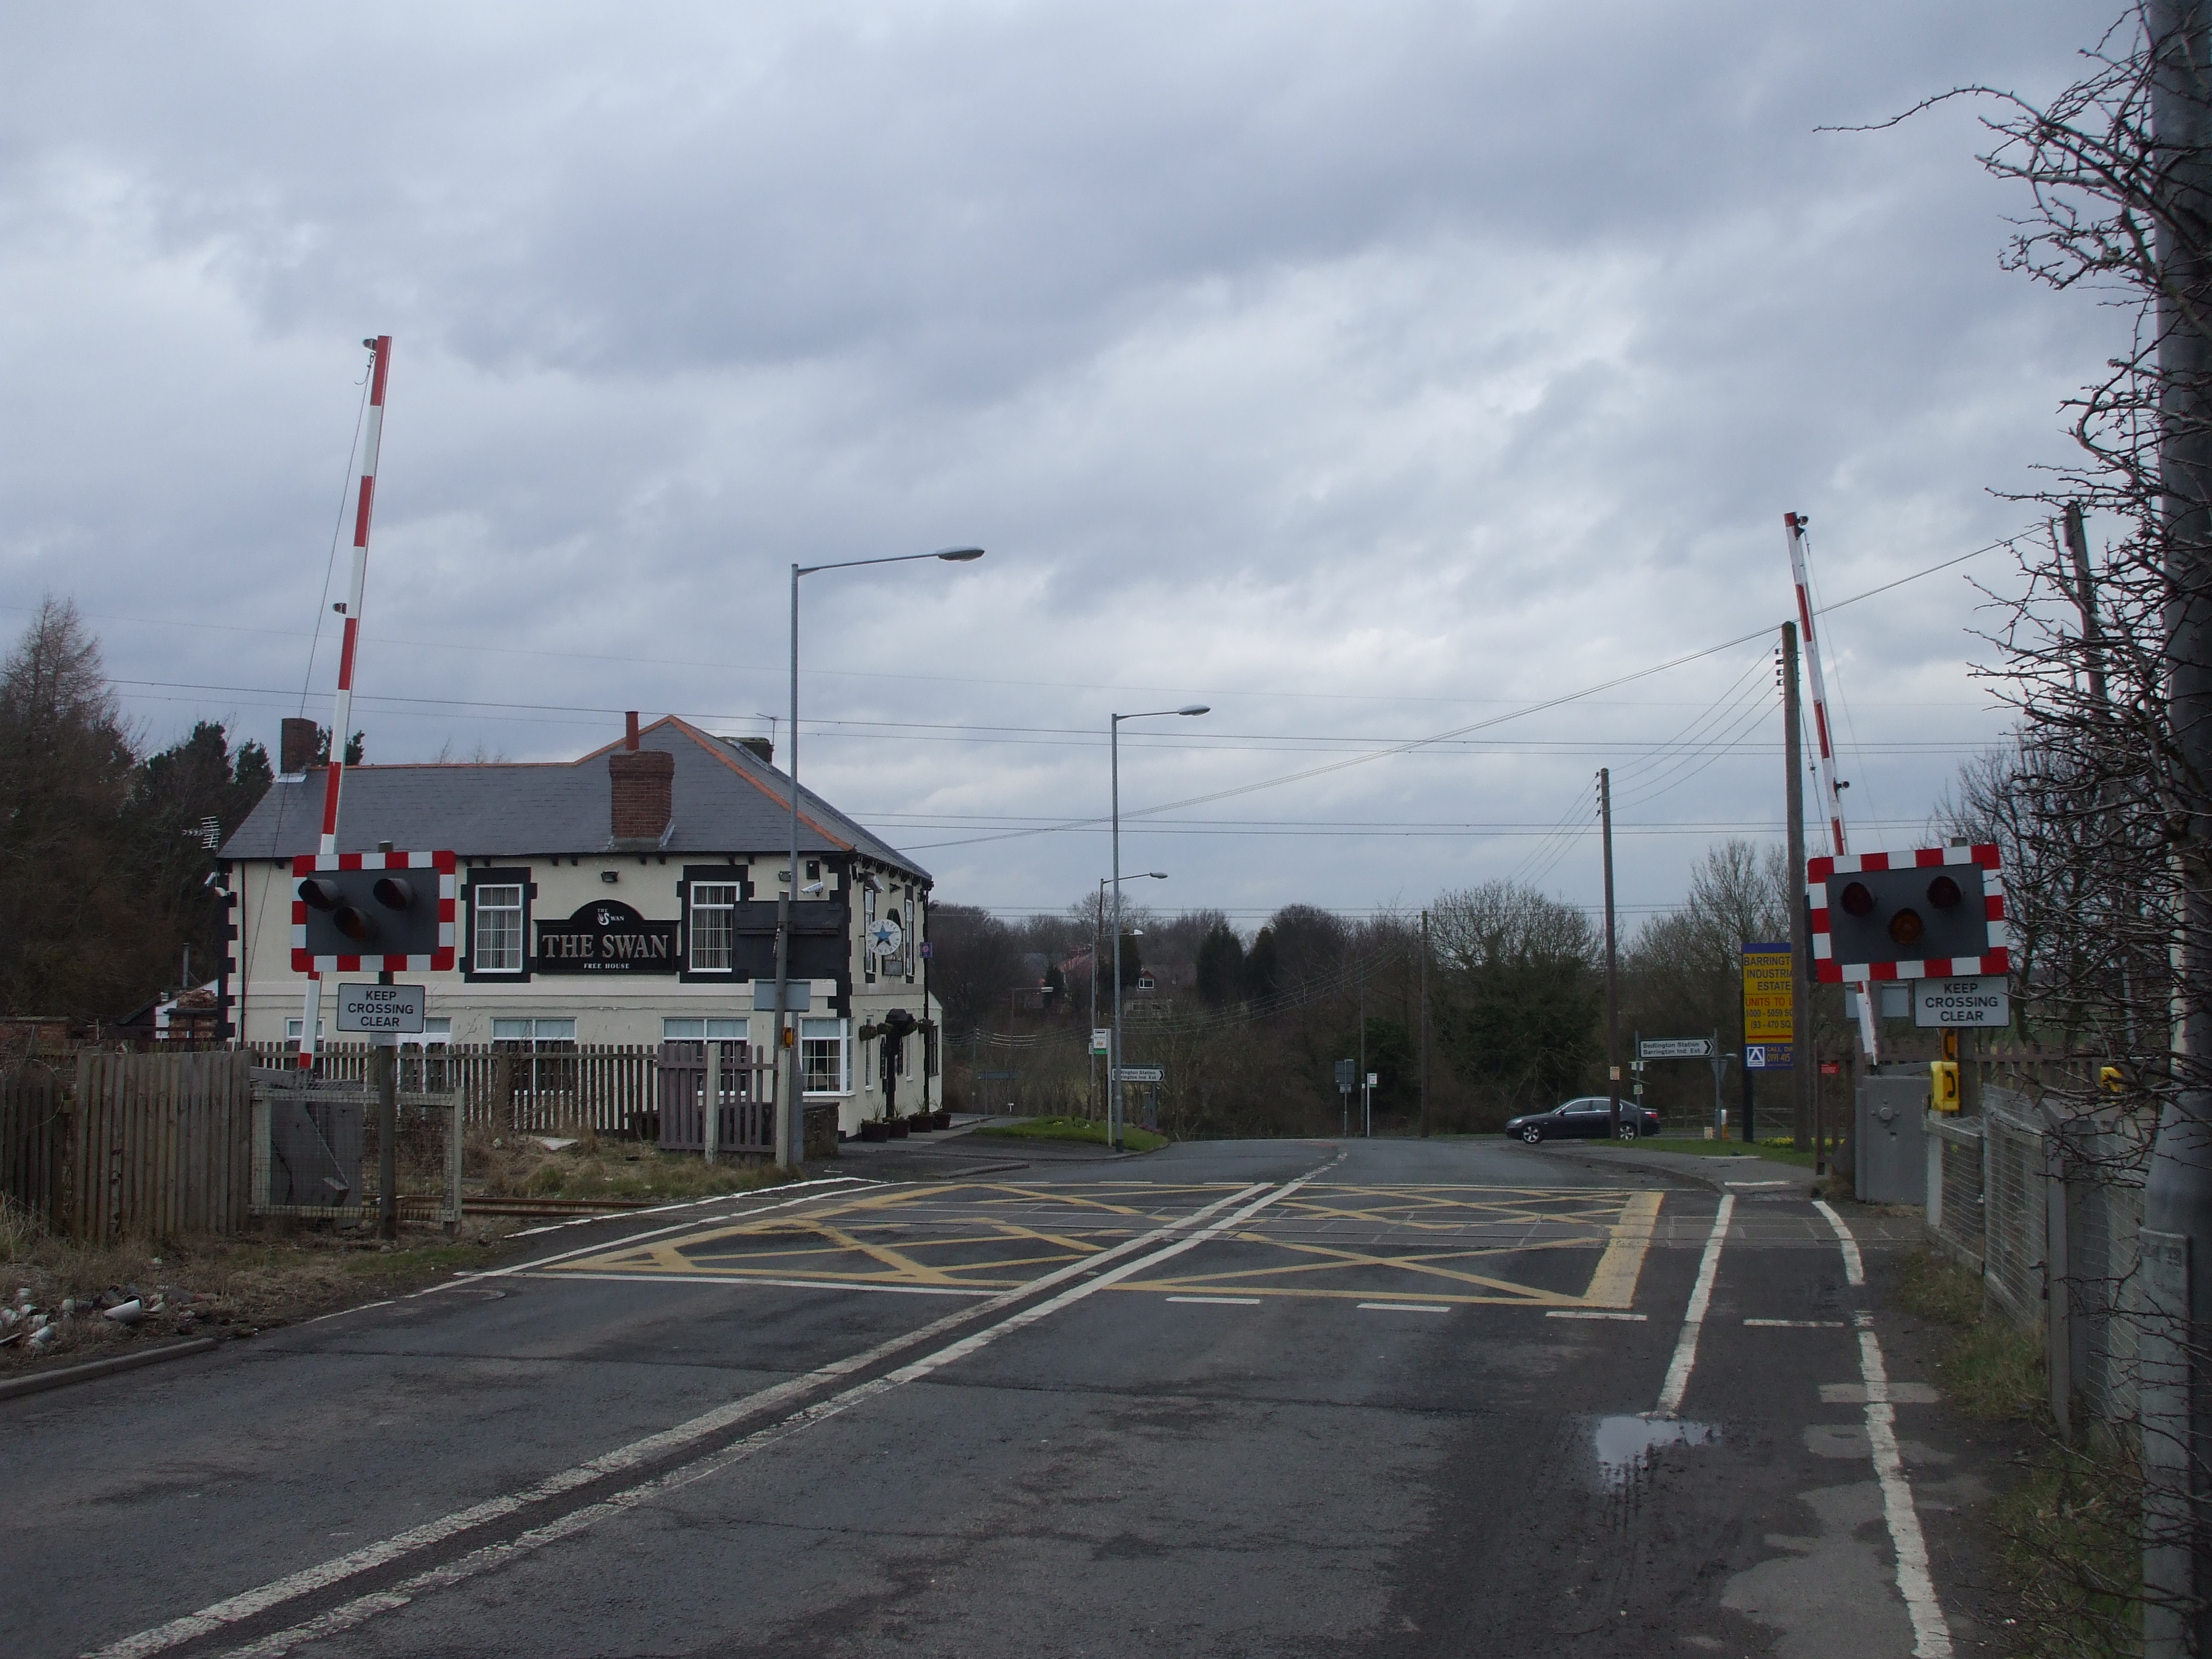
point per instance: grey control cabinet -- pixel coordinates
(1893, 1161)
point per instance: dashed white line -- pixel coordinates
(1796, 1324)
(1220, 1301)
(1594, 1313)
(1402, 1307)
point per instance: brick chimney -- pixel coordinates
(295, 747)
(644, 793)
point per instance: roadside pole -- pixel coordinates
(1801, 1076)
(1424, 1024)
(386, 1056)
(1368, 1126)
(1720, 1119)
(2177, 1225)
(1612, 975)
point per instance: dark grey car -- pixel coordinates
(1590, 1118)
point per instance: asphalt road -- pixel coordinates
(1259, 1398)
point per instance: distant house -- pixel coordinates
(629, 897)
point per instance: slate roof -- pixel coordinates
(727, 799)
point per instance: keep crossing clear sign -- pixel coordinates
(382, 1010)
(1769, 1007)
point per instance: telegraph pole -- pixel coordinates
(2176, 1228)
(1801, 1071)
(1424, 1024)
(1612, 974)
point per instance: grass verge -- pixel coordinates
(580, 1165)
(2069, 1543)
(204, 1287)
(1072, 1129)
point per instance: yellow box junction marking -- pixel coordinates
(1456, 1232)
(970, 1236)
(1439, 1244)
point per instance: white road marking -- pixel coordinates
(1886, 1393)
(1796, 1324)
(1693, 1319)
(1593, 1313)
(745, 1280)
(1854, 1267)
(1220, 1301)
(363, 1608)
(1762, 1183)
(1401, 1307)
(308, 1581)
(1931, 1636)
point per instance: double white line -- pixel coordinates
(779, 1405)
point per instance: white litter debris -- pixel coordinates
(554, 1143)
(128, 1313)
(43, 1335)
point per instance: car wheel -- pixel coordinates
(1628, 1132)
(1532, 1135)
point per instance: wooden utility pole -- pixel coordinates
(1612, 966)
(1424, 1024)
(1801, 1073)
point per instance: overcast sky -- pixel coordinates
(1363, 371)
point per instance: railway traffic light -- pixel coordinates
(352, 911)
(1906, 915)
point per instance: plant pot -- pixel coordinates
(873, 1131)
(940, 1120)
(897, 1127)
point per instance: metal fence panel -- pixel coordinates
(2015, 1216)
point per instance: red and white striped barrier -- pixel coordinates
(372, 445)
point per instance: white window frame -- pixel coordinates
(436, 1032)
(725, 929)
(705, 1030)
(478, 909)
(540, 1030)
(841, 1034)
(294, 1026)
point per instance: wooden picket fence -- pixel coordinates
(34, 1138)
(745, 1123)
(605, 1087)
(135, 1146)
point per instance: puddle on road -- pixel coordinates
(1624, 1444)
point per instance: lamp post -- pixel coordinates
(1097, 927)
(791, 1122)
(1115, 1114)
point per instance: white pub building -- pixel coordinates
(629, 897)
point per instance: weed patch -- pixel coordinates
(504, 1163)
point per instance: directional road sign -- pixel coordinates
(1141, 1075)
(1676, 1049)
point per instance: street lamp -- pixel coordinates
(1096, 929)
(1113, 1061)
(791, 1122)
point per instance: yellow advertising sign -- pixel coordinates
(1770, 1006)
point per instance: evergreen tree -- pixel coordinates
(1220, 966)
